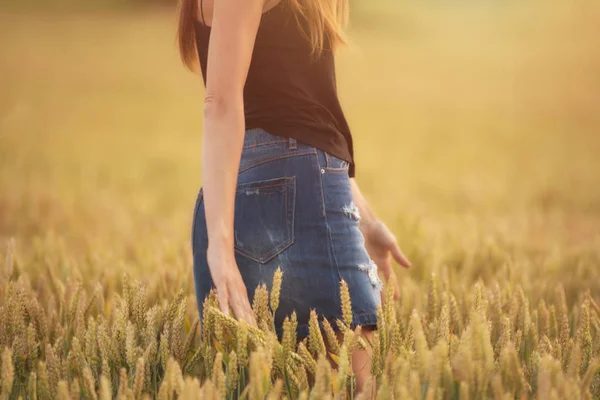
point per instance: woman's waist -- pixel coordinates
(262, 136)
(261, 146)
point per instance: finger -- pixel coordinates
(249, 312)
(248, 315)
(238, 312)
(223, 299)
(244, 303)
(250, 318)
(385, 266)
(241, 307)
(400, 257)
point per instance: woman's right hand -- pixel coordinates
(230, 286)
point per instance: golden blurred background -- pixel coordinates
(477, 128)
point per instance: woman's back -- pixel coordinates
(289, 91)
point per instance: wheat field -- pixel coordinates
(477, 130)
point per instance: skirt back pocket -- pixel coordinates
(264, 218)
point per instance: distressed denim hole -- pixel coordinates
(352, 212)
(371, 269)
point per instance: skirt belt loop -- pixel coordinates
(293, 144)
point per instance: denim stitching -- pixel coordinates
(242, 188)
(355, 316)
(364, 314)
(293, 211)
(321, 184)
(265, 258)
(336, 274)
(260, 144)
(336, 170)
(274, 158)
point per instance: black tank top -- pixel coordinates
(288, 91)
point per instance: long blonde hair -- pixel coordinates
(325, 22)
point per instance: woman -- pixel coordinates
(278, 165)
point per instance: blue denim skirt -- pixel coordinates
(294, 211)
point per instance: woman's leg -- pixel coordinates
(361, 364)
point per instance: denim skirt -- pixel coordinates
(294, 210)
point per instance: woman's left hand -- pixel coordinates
(382, 247)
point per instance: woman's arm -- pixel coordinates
(379, 240)
(234, 27)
